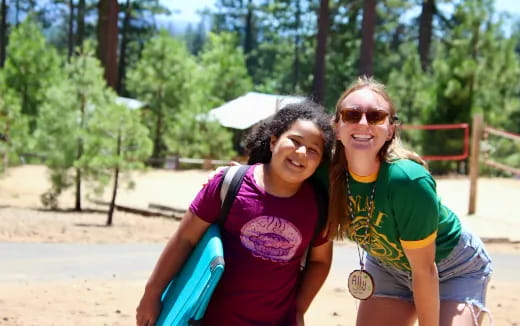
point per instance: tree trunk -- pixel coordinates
(425, 32)
(113, 200)
(77, 205)
(80, 24)
(248, 37)
(296, 63)
(157, 143)
(318, 87)
(5, 138)
(17, 13)
(3, 32)
(82, 109)
(29, 110)
(396, 37)
(366, 60)
(116, 182)
(107, 39)
(70, 38)
(122, 50)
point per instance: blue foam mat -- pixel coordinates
(188, 294)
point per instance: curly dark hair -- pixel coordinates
(258, 141)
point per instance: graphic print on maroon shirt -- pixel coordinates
(271, 238)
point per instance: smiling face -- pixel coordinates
(364, 139)
(297, 152)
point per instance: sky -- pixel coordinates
(185, 10)
(513, 6)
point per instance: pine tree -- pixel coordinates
(31, 67)
(476, 71)
(116, 142)
(63, 121)
(163, 78)
(14, 133)
(224, 66)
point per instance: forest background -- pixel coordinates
(65, 64)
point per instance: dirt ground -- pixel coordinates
(97, 301)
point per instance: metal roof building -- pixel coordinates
(249, 109)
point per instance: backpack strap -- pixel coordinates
(229, 187)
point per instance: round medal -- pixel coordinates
(360, 284)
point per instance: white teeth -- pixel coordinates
(362, 136)
(296, 163)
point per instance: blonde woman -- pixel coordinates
(419, 262)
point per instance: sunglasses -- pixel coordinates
(373, 116)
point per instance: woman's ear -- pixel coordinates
(336, 132)
(391, 132)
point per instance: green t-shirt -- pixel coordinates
(408, 213)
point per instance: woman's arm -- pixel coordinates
(425, 282)
(172, 258)
(314, 274)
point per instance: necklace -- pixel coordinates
(360, 282)
(366, 237)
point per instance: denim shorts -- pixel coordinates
(463, 274)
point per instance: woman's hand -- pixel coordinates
(148, 310)
(213, 173)
(170, 262)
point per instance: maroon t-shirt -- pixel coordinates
(264, 239)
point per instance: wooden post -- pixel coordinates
(207, 164)
(476, 136)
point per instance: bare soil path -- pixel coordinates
(110, 297)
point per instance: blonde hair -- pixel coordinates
(339, 214)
